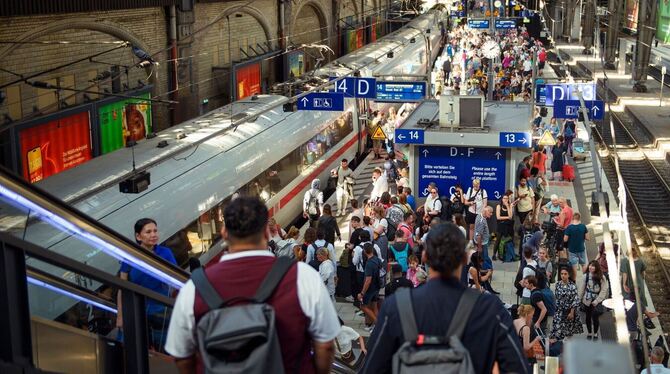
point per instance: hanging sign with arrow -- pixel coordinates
(570, 108)
(323, 101)
(409, 136)
(447, 166)
(515, 139)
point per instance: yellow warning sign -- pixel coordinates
(378, 134)
(547, 139)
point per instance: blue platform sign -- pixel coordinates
(570, 108)
(402, 92)
(408, 136)
(548, 93)
(324, 101)
(364, 88)
(479, 23)
(505, 23)
(447, 166)
(515, 139)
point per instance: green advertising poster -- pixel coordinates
(351, 41)
(122, 121)
(663, 24)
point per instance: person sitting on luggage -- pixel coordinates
(523, 326)
(488, 333)
(343, 343)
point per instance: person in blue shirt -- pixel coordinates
(410, 198)
(146, 235)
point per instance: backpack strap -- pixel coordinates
(208, 293)
(462, 313)
(403, 298)
(271, 281)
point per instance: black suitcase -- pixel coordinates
(344, 278)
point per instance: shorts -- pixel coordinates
(470, 217)
(578, 258)
(370, 296)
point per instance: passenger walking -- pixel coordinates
(525, 200)
(488, 334)
(345, 186)
(380, 185)
(574, 237)
(327, 271)
(592, 295)
(146, 235)
(562, 221)
(566, 322)
(370, 292)
(328, 224)
(400, 250)
(410, 198)
(398, 280)
(475, 200)
(539, 302)
(557, 153)
(275, 232)
(482, 236)
(529, 268)
(312, 204)
(306, 321)
(523, 325)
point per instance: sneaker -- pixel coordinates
(349, 299)
(360, 313)
(369, 328)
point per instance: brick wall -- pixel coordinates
(145, 26)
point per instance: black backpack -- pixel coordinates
(519, 277)
(240, 338)
(445, 213)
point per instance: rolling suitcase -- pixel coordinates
(568, 171)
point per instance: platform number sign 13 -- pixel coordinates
(515, 139)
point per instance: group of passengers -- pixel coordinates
(512, 71)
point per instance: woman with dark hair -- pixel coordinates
(385, 200)
(308, 240)
(329, 225)
(566, 322)
(592, 295)
(146, 235)
(476, 278)
(504, 225)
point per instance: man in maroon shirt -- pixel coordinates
(304, 313)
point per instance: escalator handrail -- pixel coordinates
(77, 267)
(126, 249)
(37, 276)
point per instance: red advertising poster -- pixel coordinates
(632, 7)
(248, 80)
(52, 147)
(360, 38)
(373, 30)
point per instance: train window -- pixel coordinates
(315, 148)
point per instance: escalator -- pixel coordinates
(58, 310)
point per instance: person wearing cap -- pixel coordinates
(397, 281)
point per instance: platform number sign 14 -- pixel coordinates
(409, 136)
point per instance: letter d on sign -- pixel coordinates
(453, 151)
(361, 90)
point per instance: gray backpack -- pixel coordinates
(433, 354)
(240, 338)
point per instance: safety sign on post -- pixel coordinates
(547, 139)
(378, 134)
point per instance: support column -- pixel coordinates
(646, 26)
(588, 25)
(615, 11)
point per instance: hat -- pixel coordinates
(396, 268)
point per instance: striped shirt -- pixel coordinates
(481, 230)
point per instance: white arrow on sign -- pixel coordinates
(425, 153)
(498, 154)
(401, 136)
(595, 110)
(425, 192)
(523, 140)
(305, 101)
(496, 194)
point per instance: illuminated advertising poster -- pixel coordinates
(360, 38)
(55, 146)
(122, 121)
(631, 14)
(663, 24)
(296, 64)
(373, 29)
(248, 80)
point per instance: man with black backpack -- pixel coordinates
(277, 310)
(443, 326)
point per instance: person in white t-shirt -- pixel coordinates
(343, 343)
(327, 271)
(527, 271)
(475, 200)
(380, 184)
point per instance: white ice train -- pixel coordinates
(275, 155)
